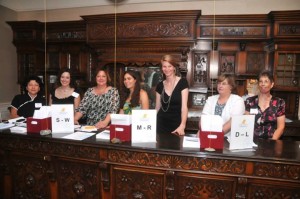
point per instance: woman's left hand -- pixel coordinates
(179, 131)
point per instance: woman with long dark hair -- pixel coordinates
(133, 96)
(65, 91)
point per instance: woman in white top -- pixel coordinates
(225, 103)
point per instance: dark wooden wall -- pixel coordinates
(238, 44)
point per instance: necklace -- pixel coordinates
(162, 96)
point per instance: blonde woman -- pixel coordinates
(171, 99)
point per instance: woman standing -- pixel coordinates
(171, 99)
(224, 103)
(269, 111)
(133, 97)
(25, 104)
(65, 93)
(99, 102)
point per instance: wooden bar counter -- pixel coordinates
(34, 166)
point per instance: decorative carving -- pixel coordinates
(241, 188)
(277, 171)
(255, 62)
(170, 184)
(79, 189)
(242, 46)
(64, 149)
(177, 162)
(135, 184)
(200, 69)
(204, 187)
(78, 179)
(73, 35)
(236, 31)
(30, 175)
(105, 175)
(140, 30)
(268, 191)
(289, 29)
(227, 63)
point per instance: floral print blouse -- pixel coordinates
(266, 122)
(96, 107)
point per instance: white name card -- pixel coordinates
(62, 118)
(143, 128)
(242, 130)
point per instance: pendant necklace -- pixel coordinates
(163, 98)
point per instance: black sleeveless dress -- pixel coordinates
(67, 100)
(169, 115)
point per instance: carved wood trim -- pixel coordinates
(170, 184)
(105, 177)
(206, 165)
(233, 32)
(58, 148)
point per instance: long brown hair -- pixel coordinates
(135, 97)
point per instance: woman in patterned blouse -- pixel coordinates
(99, 102)
(134, 97)
(269, 111)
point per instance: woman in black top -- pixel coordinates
(171, 100)
(25, 104)
(65, 92)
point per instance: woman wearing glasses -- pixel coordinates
(225, 103)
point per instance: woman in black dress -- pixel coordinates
(65, 92)
(171, 99)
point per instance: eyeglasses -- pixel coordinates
(222, 84)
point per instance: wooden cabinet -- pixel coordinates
(137, 183)
(204, 46)
(77, 179)
(46, 167)
(287, 69)
(30, 179)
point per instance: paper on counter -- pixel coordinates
(212, 123)
(191, 142)
(6, 125)
(78, 136)
(17, 129)
(105, 135)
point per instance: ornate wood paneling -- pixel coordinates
(132, 183)
(233, 31)
(78, 179)
(204, 187)
(62, 148)
(166, 170)
(29, 176)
